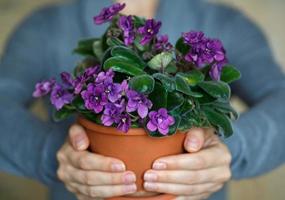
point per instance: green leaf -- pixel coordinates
(171, 68)
(224, 107)
(174, 100)
(62, 114)
(122, 65)
(160, 61)
(112, 41)
(193, 77)
(158, 96)
(143, 83)
(181, 46)
(85, 47)
(97, 49)
(128, 54)
(138, 21)
(230, 74)
(220, 120)
(216, 89)
(186, 107)
(182, 86)
(166, 81)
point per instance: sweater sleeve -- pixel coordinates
(27, 144)
(257, 145)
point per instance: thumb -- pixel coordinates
(195, 139)
(78, 137)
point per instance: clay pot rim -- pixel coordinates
(109, 130)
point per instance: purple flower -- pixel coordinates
(105, 77)
(205, 51)
(127, 25)
(60, 96)
(162, 43)
(91, 72)
(138, 102)
(43, 88)
(112, 113)
(160, 121)
(191, 38)
(124, 123)
(115, 91)
(79, 82)
(108, 13)
(149, 30)
(94, 97)
(66, 79)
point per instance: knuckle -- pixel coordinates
(60, 156)
(60, 174)
(92, 192)
(86, 178)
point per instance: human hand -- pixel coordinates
(89, 175)
(194, 175)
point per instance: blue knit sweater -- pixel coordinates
(41, 47)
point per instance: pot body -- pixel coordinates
(135, 148)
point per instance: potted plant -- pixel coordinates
(136, 94)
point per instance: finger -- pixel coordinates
(212, 175)
(104, 191)
(180, 189)
(84, 197)
(194, 139)
(194, 197)
(78, 137)
(98, 177)
(210, 157)
(91, 161)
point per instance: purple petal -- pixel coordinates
(142, 110)
(150, 126)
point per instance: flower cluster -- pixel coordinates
(133, 76)
(115, 102)
(205, 51)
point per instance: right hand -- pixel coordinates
(89, 175)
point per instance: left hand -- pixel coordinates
(194, 175)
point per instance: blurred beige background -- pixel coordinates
(269, 14)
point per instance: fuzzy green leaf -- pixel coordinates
(166, 81)
(85, 47)
(230, 74)
(62, 114)
(193, 77)
(216, 89)
(219, 120)
(119, 64)
(181, 46)
(158, 96)
(160, 61)
(127, 53)
(114, 42)
(174, 100)
(183, 86)
(143, 83)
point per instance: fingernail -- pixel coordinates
(159, 165)
(193, 144)
(129, 178)
(130, 188)
(118, 167)
(79, 142)
(150, 186)
(150, 176)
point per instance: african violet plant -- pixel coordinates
(133, 77)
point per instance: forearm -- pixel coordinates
(28, 145)
(258, 143)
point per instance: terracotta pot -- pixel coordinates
(135, 148)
